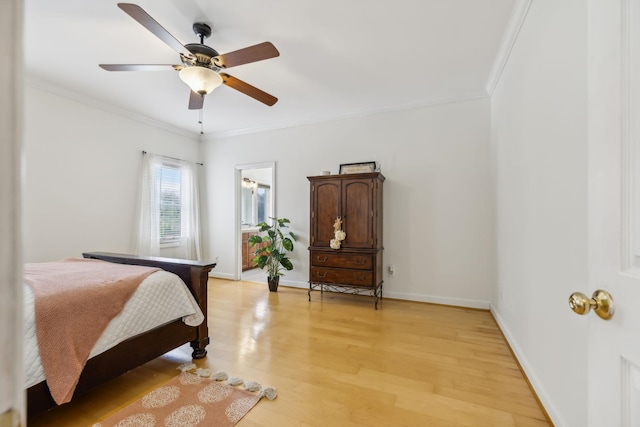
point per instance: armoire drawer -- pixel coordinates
(342, 260)
(339, 276)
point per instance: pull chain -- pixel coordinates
(201, 121)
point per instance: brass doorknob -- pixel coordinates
(601, 302)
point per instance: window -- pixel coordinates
(169, 180)
(168, 214)
(263, 198)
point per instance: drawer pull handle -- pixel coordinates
(322, 275)
(362, 278)
(323, 259)
(360, 261)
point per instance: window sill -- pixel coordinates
(170, 244)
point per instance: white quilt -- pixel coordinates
(161, 298)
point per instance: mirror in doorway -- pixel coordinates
(256, 196)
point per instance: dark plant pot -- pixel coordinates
(273, 283)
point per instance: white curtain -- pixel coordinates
(190, 215)
(148, 230)
(148, 225)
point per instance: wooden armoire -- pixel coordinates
(356, 266)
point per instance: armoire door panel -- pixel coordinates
(357, 211)
(326, 208)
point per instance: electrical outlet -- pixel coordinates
(392, 271)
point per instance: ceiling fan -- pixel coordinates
(201, 65)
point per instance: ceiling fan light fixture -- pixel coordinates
(201, 80)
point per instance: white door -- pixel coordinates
(614, 210)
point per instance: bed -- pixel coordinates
(142, 347)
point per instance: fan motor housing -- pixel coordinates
(202, 52)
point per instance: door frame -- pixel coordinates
(237, 275)
(12, 396)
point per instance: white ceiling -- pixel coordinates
(337, 57)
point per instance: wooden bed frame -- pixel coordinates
(144, 347)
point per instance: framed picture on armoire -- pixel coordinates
(366, 167)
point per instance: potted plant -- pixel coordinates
(272, 250)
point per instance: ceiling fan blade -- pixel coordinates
(249, 54)
(196, 101)
(249, 90)
(137, 13)
(139, 67)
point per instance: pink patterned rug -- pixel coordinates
(191, 400)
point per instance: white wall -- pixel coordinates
(437, 199)
(81, 175)
(539, 136)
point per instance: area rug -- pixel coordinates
(193, 398)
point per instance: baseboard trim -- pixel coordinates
(222, 276)
(456, 302)
(539, 393)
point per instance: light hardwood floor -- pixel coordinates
(336, 361)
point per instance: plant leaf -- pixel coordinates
(286, 263)
(261, 260)
(253, 240)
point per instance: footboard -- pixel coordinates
(194, 273)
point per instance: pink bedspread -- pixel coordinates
(75, 299)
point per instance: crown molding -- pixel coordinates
(516, 20)
(363, 113)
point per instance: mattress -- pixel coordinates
(162, 297)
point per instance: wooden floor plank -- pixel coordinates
(337, 361)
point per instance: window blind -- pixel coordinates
(170, 203)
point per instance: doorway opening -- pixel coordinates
(255, 189)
